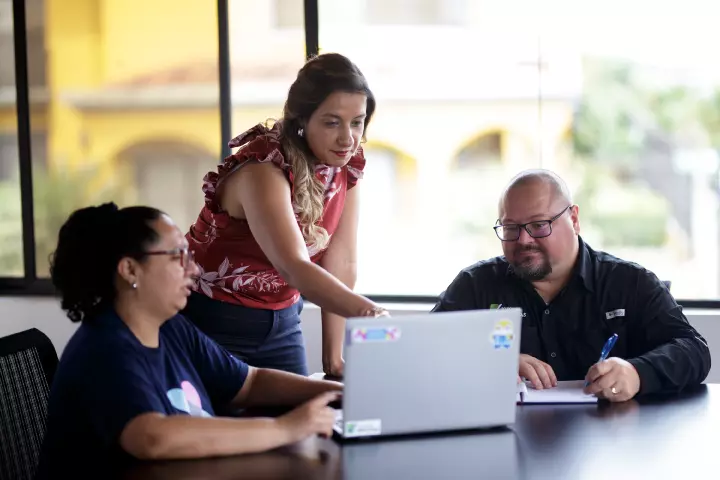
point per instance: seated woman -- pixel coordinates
(139, 381)
(280, 220)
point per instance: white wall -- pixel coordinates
(20, 313)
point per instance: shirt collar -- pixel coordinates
(584, 266)
(583, 269)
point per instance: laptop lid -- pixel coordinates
(430, 372)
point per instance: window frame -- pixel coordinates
(32, 285)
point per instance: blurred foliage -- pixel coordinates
(621, 107)
(606, 123)
(622, 104)
(623, 214)
(11, 245)
(710, 117)
(623, 229)
(56, 195)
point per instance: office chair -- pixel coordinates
(28, 362)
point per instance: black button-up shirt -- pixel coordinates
(605, 295)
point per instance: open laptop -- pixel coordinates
(429, 373)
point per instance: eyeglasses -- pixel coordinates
(536, 229)
(186, 256)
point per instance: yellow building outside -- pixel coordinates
(130, 88)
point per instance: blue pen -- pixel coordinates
(606, 350)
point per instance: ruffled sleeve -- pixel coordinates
(355, 168)
(259, 144)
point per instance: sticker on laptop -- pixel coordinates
(374, 334)
(502, 335)
(363, 428)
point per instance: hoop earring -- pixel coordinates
(301, 132)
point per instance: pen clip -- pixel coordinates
(609, 344)
(608, 347)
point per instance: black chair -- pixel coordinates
(28, 362)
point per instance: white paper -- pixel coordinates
(565, 392)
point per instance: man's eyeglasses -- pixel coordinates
(536, 229)
(186, 256)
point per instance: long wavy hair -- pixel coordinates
(317, 79)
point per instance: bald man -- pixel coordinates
(575, 298)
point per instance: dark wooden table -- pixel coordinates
(653, 438)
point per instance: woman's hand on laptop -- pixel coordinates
(334, 368)
(333, 364)
(314, 417)
(376, 312)
(538, 373)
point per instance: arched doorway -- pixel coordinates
(484, 150)
(168, 175)
(477, 176)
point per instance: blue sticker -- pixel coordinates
(502, 335)
(374, 334)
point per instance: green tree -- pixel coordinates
(56, 195)
(710, 117)
(621, 104)
(11, 246)
(610, 112)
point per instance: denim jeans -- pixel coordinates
(261, 338)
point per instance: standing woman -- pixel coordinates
(280, 220)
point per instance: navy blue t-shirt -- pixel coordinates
(106, 377)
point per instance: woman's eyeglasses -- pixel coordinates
(186, 256)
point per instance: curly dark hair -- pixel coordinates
(91, 243)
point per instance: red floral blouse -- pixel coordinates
(233, 267)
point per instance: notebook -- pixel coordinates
(565, 392)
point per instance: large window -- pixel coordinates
(629, 119)
(11, 246)
(124, 107)
(624, 104)
(641, 149)
(414, 12)
(287, 13)
(265, 57)
(462, 103)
